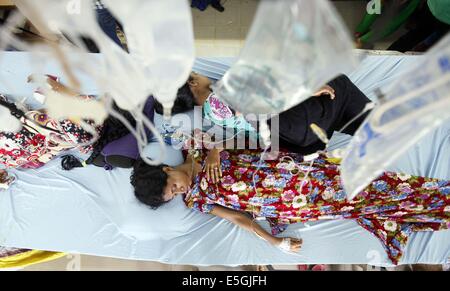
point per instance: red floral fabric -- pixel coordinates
(391, 207)
(34, 145)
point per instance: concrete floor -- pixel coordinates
(223, 34)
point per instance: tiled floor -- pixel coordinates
(223, 34)
(92, 263)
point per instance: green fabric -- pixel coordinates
(365, 24)
(395, 23)
(440, 9)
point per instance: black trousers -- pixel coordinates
(331, 115)
(426, 26)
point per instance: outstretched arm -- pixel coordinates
(241, 219)
(56, 86)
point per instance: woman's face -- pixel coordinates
(200, 86)
(177, 183)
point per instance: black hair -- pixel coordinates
(149, 183)
(16, 112)
(112, 130)
(184, 102)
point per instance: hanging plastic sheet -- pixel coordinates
(415, 104)
(160, 59)
(120, 74)
(160, 36)
(293, 48)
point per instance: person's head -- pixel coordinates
(200, 87)
(194, 92)
(157, 185)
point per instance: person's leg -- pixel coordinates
(424, 25)
(108, 23)
(397, 14)
(410, 39)
(429, 41)
(365, 24)
(292, 125)
(350, 103)
(304, 150)
(330, 115)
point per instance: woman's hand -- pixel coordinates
(288, 244)
(5, 179)
(3, 176)
(325, 90)
(243, 220)
(212, 166)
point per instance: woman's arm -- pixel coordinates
(56, 86)
(241, 219)
(61, 88)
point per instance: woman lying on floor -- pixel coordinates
(391, 207)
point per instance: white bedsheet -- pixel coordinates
(92, 211)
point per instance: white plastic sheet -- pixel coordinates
(120, 75)
(8, 122)
(418, 102)
(293, 48)
(161, 38)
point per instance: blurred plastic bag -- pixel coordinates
(161, 43)
(293, 48)
(161, 38)
(118, 74)
(411, 107)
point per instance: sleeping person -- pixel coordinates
(115, 146)
(43, 138)
(287, 190)
(331, 108)
(39, 141)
